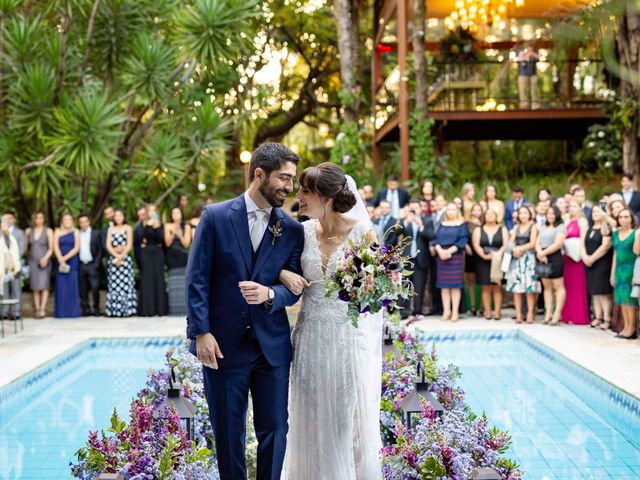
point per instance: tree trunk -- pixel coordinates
(345, 23)
(628, 39)
(419, 65)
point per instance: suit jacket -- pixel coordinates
(509, 208)
(96, 246)
(18, 234)
(403, 197)
(634, 204)
(221, 256)
(424, 238)
(392, 237)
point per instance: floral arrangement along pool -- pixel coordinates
(449, 446)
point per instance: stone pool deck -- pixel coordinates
(611, 358)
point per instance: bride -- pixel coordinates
(334, 431)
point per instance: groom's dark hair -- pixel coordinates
(271, 156)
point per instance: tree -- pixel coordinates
(101, 98)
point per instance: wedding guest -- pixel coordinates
(458, 203)
(385, 227)
(493, 203)
(368, 196)
(13, 287)
(438, 209)
(107, 221)
(177, 238)
(397, 197)
(418, 230)
(182, 202)
(90, 255)
(543, 194)
(576, 307)
(550, 265)
(197, 213)
(39, 244)
(427, 193)
(470, 257)
(597, 256)
(511, 207)
(563, 206)
(137, 234)
(153, 292)
(451, 238)
(626, 248)
(541, 212)
(489, 240)
(629, 194)
(10, 264)
(521, 277)
(66, 245)
(121, 291)
(468, 198)
(580, 196)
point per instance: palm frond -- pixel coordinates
(31, 99)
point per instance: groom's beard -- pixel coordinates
(270, 194)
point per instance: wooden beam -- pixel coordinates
(386, 12)
(389, 125)
(403, 99)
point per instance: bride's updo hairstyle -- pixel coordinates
(328, 180)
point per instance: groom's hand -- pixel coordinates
(254, 293)
(207, 350)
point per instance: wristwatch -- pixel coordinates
(269, 302)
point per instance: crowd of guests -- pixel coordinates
(558, 256)
(76, 258)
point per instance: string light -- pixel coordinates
(474, 14)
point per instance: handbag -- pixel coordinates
(496, 274)
(543, 270)
(572, 248)
(505, 264)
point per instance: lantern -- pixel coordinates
(185, 409)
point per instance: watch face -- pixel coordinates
(272, 294)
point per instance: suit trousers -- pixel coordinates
(89, 281)
(227, 391)
(12, 290)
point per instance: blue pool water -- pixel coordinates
(45, 416)
(566, 422)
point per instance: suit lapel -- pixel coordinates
(268, 244)
(240, 225)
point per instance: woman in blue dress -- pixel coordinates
(448, 247)
(66, 245)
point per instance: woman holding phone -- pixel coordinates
(153, 292)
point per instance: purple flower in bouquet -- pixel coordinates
(344, 295)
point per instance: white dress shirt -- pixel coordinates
(252, 207)
(85, 246)
(392, 198)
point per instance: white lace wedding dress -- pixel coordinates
(334, 402)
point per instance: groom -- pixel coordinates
(236, 312)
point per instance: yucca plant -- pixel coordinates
(97, 95)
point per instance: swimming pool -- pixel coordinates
(46, 414)
(566, 422)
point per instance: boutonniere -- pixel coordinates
(276, 231)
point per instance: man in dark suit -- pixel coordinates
(237, 320)
(90, 256)
(629, 194)
(419, 232)
(397, 197)
(512, 206)
(385, 223)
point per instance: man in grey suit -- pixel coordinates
(13, 288)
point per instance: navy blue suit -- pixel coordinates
(510, 208)
(254, 339)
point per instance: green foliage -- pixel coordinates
(431, 469)
(425, 164)
(601, 148)
(349, 150)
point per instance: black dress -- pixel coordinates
(177, 256)
(153, 292)
(470, 260)
(599, 273)
(483, 267)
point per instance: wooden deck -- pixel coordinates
(543, 124)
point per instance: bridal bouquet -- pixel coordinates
(369, 277)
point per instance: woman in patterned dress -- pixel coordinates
(121, 292)
(521, 277)
(626, 247)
